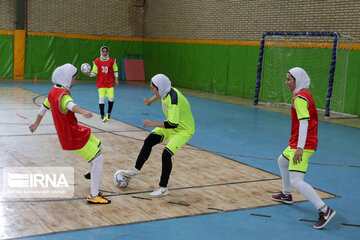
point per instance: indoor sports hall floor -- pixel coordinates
(220, 184)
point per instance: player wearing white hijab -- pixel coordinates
(178, 128)
(293, 162)
(71, 135)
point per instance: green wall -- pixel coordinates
(232, 70)
(7, 56)
(44, 54)
(223, 69)
(214, 68)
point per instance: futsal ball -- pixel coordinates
(120, 180)
(85, 67)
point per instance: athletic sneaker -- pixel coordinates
(161, 192)
(104, 119)
(99, 199)
(133, 172)
(324, 218)
(282, 198)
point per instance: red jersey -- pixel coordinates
(105, 74)
(71, 135)
(312, 138)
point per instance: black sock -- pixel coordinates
(111, 104)
(101, 106)
(166, 168)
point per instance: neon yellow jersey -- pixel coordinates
(115, 67)
(47, 103)
(94, 69)
(178, 112)
(63, 102)
(301, 106)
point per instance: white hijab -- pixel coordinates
(63, 75)
(163, 84)
(302, 79)
(101, 56)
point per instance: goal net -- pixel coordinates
(317, 53)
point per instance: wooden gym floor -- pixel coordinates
(220, 184)
(201, 182)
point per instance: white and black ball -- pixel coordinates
(120, 180)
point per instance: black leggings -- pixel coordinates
(144, 154)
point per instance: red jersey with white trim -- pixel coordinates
(105, 74)
(311, 138)
(71, 135)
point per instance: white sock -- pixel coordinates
(297, 181)
(285, 175)
(96, 173)
(324, 210)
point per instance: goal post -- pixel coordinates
(315, 35)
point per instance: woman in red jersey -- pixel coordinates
(293, 162)
(71, 135)
(105, 68)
